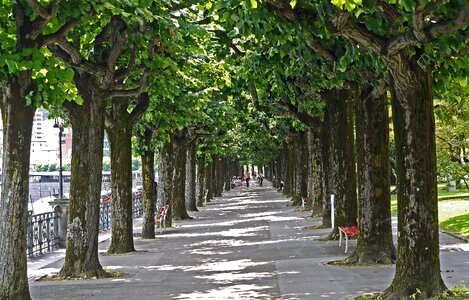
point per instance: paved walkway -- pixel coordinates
(249, 244)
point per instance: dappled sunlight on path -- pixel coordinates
(248, 244)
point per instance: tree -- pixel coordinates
(99, 74)
(26, 27)
(119, 126)
(401, 48)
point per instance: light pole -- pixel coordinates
(60, 126)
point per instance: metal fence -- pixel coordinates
(43, 228)
(137, 204)
(105, 215)
(43, 233)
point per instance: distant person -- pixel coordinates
(282, 184)
(260, 178)
(247, 177)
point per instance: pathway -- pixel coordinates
(249, 244)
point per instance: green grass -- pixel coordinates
(443, 195)
(458, 225)
(453, 210)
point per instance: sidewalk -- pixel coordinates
(249, 244)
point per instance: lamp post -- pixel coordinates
(60, 126)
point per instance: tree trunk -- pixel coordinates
(326, 140)
(17, 128)
(289, 171)
(165, 178)
(418, 261)
(81, 256)
(178, 203)
(148, 189)
(301, 165)
(310, 166)
(342, 159)
(191, 176)
(200, 180)
(120, 139)
(375, 243)
(318, 196)
(208, 179)
(220, 176)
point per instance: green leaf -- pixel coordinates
(254, 3)
(293, 3)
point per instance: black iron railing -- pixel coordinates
(42, 233)
(137, 204)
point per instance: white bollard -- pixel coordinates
(332, 211)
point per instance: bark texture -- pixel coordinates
(148, 181)
(375, 243)
(191, 176)
(17, 127)
(341, 160)
(81, 256)
(178, 203)
(165, 178)
(318, 196)
(200, 181)
(418, 261)
(120, 139)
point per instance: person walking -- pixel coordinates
(247, 177)
(260, 178)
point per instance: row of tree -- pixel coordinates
(299, 87)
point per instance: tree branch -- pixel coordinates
(139, 110)
(49, 39)
(449, 26)
(389, 11)
(39, 9)
(361, 35)
(321, 50)
(284, 8)
(119, 41)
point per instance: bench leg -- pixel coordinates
(340, 238)
(346, 243)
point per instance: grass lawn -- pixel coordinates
(458, 224)
(453, 210)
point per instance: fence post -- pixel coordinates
(61, 206)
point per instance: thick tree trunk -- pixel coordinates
(200, 181)
(165, 178)
(289, 171)
(301, 162)
(318, 196)
(208, 180)
(178, 203)
(342, 159)
(418, 261)
(310, 166)
(326, 140)
(17, 127)
(191, 176)
(375, 243)
(220, 176)
(120, 139)
(148, 192)
(81, 256)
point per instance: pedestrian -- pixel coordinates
(247, 177)
(260, 178)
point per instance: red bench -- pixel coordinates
(161, 217)
(348, 232)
